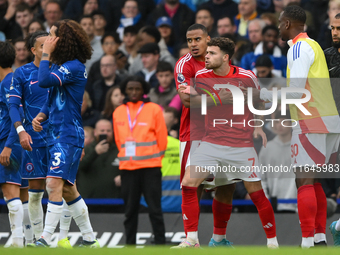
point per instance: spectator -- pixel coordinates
(246, 13)
(36, 25)
(89, 115)
(180, 14)
(268, 46)
(279, 185)
(141, 142)
(205, 18)
(128, 47)
(88, 135)
(7, 21)
(22, 55)
(225, 25)
(52, 13)
(164, 25)
(34, 5)
(171, 120)
(269, 18)
(183, 50)
(98, 169)
(114, 98)
(150, 57)
(264, 70)
(90, 6)
(221, 8)
(99, 24)
(100, 87)
(130, 17)
(122, 64)
(150, 34)
(110, 43)
(87, 24)
(255, 28)
(165, 92)
(23, 17)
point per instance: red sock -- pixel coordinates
(221, 213)
(307, 208)
(190, 209)
(321, 214)
(266, 212)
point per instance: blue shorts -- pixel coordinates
(11, 173)
(24, 184)
(34, 163)
(64, 161)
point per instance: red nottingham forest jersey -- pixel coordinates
(235, 132)
(185, 69)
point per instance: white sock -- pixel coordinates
(307, 242)
(35, 210)
(65, 222)
(319, 237)
(193, 236)
(54, 210)
(337, 225)
(219, 238)
(16, 214)
(80, 214)
(28, 231)
(272, 241)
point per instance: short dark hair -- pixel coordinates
(164, 66)
(32, 38)
(172, 110)
(225, 44)
(131, 29)
(18, 39)
(151, 31)
(198, 27)
(114, 35)
(278, 115)
(23, 7)
(42, 26)
(98, 12)
(270, 27)
(295, 13)
(227, 17)
(145, 85)
(7, 54)
(87, 16)
(205, 9)
(54, 2)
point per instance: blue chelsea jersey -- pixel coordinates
(63, 107)
(25, 90)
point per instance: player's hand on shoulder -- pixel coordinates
(187, 89)
(5, 155)
(25, 140)
(226, 96)
(36, 124)
(102, 147)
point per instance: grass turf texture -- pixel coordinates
(249, 250)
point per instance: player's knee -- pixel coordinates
(54, 185)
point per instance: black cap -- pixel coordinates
(263, 60)
(150, 48)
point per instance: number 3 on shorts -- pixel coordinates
(56, 161)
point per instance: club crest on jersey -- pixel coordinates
(29, 167)
(63, 70)
(180, 78)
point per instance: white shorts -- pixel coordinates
(313, 149)
(185, 150)
(227, 164)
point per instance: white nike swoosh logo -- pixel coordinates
(331, 69)
(33, 82)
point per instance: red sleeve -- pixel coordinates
(183, 72)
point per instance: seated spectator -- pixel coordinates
(23, 17)
(164, 25)
(88, 135)
(89, 115)
(150, 57)
(99, 24)
(221, 8)
(165, 92)
(8, 24)
(130, 17)
(246, 13)
(87, 24)
(171, 118)
(52, 13)
(255, 28)
(150, 34)
(269, 18)
(98, 169)
(183, 50)
(90, 6)
(180, 14)
(205, 18)
(34, 6)
(22, 55)
(268, 46)
(100, 87)
(128, 47)
(109, 43)
(264, 71)
(122, 64)
(279, 185)
(36, 25)
(114, 98)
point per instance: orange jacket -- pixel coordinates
(150, 134)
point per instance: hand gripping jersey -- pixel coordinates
(191, 119)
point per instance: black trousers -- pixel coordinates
(146, 181)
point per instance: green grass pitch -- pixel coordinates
(246, 250)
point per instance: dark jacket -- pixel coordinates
(163, 98)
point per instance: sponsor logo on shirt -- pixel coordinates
(63, 70)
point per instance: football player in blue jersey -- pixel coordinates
(10, 157)
(68, 48)
(25, 91)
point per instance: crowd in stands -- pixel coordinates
(145, 38)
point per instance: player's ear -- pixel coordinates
(208, 38)
(288, 23)
(33, 51)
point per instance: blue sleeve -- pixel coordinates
(245, 63)
(46, 78)
(14, 99)
(44, 109)
(12, 137)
